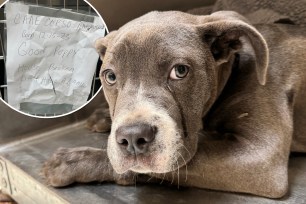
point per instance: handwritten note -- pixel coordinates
(50, 60)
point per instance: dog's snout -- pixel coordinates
(135, 139)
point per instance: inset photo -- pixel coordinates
(49, 66)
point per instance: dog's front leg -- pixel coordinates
(238, 164)
(82, 164)
(239, 167)
(252, 159)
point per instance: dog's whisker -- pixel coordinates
(172, 177)
(151, 162)
(109, 172)
(167, 110)
(201, 133)
(134, 177)
(186, 173)
(186, 150)
(151, 167)
(151, 176)
(178, 174)
(163, 178)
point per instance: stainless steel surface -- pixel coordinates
(28, 156)
(25, 189)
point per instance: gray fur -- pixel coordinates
(228, 125)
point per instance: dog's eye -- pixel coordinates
(109, 77)
(179, 72)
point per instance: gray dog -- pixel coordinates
(202, 101)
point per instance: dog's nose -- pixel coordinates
(135, 139)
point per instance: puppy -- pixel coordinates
(203, 101)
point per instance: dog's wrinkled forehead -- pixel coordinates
(154, 34)
(153, 40)
(157, 42)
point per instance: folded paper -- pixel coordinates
(51, 59)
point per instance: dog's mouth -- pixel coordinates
(139, 164)
(154, 162)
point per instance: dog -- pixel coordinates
(202, 101)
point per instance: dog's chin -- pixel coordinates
(140, 169)
(143, 170)
(146, 165)
(131, 164)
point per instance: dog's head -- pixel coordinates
(161, 73)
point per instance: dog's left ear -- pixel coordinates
(223, 32)
(101, 44)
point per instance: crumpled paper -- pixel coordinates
(50, 61)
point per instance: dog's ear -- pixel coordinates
(101, 44)
(224, 32)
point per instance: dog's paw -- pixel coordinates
(99, 120)
(59, 169)
(80, 164)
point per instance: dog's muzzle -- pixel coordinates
(145, 138)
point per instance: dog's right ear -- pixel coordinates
(223, 32)
(101, 44)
